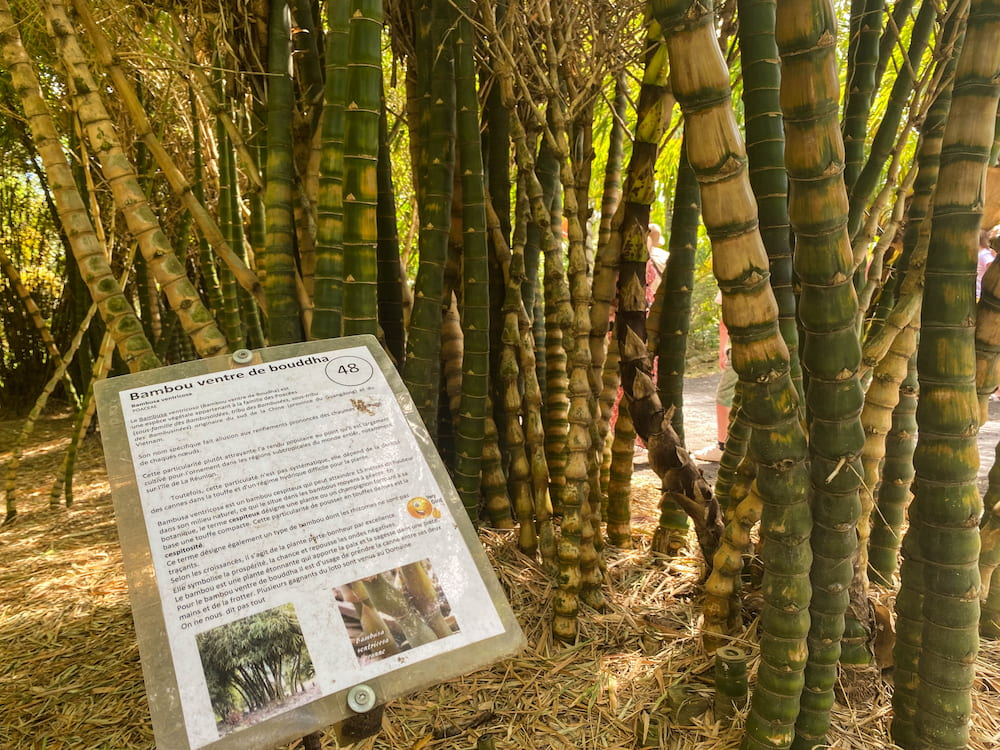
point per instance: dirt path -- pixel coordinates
(699, 426)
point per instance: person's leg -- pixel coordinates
(722, 423)
(723, 404)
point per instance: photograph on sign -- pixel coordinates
(395, 611)
(255, 666)
(289, 509)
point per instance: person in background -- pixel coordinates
(986, 256)
(723, 396)
(987, 241)
(657, 263)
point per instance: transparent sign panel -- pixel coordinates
(289, 532)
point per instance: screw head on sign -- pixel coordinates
(242, 356)
(361, 699)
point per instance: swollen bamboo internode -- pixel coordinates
(730, 681)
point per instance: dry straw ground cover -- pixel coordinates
(70, 674)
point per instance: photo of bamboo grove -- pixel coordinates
(473, 182)
(396, 610)
(256, 666)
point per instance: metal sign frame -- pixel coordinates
(161, 676)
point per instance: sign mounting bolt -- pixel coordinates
(361, 699)
(242, 356)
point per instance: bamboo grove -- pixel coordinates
(473, 182)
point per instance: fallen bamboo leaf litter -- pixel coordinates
(72, 677)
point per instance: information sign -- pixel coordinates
(289, 533)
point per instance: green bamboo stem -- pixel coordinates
(610, 383)
(730, 681)
(475, 273)
(551, 359)
(669, 336)
(360, 189)
(906, 309)
(995, 151)
(721, 608)
(876, 266)
(989, 621)
(946, 458)
(206, 261)
(700, 81)
(580, 130)
(243, 309)
(518, 469)
(860, 86)
(252, 330)
(229, 216)
(909, 636)
(327, 320)
(599, 326)
(893, 493)
(557, 312)
(579, 567)
(899, 18)
(527, 415)
(391, 274)
(284, 321)
(604, 291)
(304, 220)
(910, 599)
(626, 247)
(653, 115)
(582, 466)
(435, 199)
(611, 191)
(619, 508)
(733, 462)
(309, 73)
(877, 209)
(528, 476)
(541, 205)
(877, 416)
(418, 92)
(989, 532)
(450, 388)
(496, 501)
(534, 429)
(765, 139)
(831, 354)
